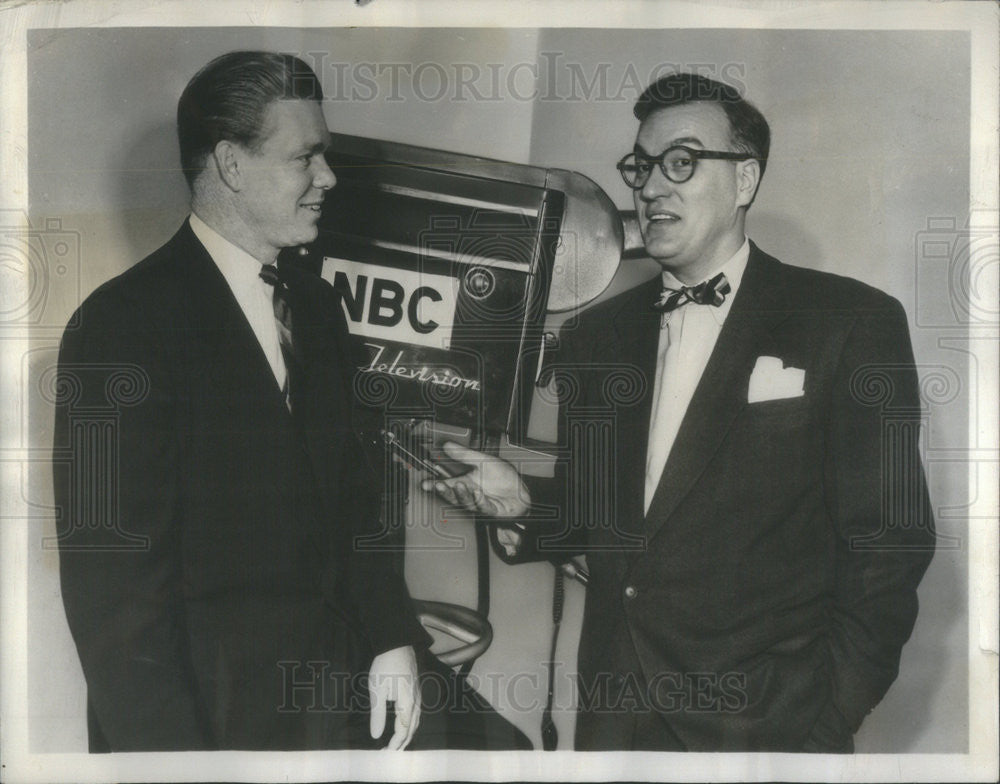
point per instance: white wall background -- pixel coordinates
(870, 140)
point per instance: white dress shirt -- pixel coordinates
(686, 343)
(242, 273)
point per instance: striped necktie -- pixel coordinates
(283, 317)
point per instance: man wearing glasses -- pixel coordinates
(757, 522)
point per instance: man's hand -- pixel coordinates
(393, 678)
(510, 539)
(492, 488)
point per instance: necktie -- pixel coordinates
(711, 292)
(283, 317)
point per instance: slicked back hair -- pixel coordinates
(228, 100)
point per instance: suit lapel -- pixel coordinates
(220, 326)
(634, 342)
(721, 393)
(229, 360)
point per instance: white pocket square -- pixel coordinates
(770, 380)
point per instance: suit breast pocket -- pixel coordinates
(784, 413)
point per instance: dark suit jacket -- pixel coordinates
(209, 561)
(763, 601)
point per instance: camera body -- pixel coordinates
(445, 266)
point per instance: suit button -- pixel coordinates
(630, 592)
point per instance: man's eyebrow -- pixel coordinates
(314, 148)
(672, 143)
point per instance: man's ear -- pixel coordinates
(747, 181)
(229, 163)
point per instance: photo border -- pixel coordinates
(980, 764)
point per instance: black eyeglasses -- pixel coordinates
(677, 164)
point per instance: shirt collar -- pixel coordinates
(733, 269)
(239, 268)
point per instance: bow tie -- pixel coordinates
(711, 292)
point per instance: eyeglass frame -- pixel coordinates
(695, 154)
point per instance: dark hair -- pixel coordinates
(228, 99)
(748, 129)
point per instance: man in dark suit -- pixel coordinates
(740, 466)
(216, 505)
